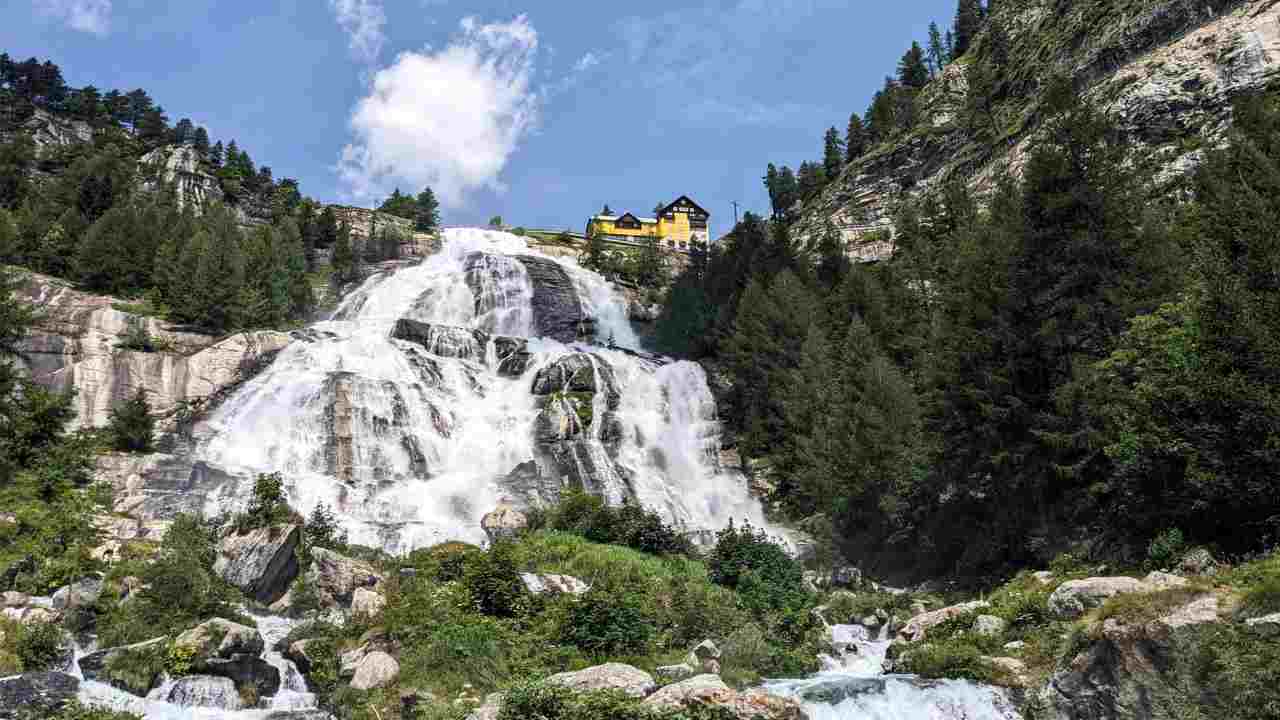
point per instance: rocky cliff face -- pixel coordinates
(1166, 70)
(179, 166)
(364, 222)
(77, 343)
(50, 132)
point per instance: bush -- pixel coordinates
(608, 622)
(546, 701)
(1166, 550)
(131, 427)
(759, 569)
(75, 711)
(494, 582)
(445, 562)
(629, 525)
(1262, 599)
(322, 530)
(39, 646)
(268, 506)
(951, 658)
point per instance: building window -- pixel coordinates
(698, 223)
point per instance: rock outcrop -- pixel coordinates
(540, 583)
(133, 668)
(179, 167)
(218, 638)
(261, 562)
(503, 523)
(709, 691)
(557, 312)
(1166, 70)
(52, 133)
(377, 669)
(77, 343)
(918, 626)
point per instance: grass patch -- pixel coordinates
(1140, 608)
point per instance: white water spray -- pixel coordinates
(412, 445)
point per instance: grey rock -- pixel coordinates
(443, 340)
(79, 594)
(539, 583)
(989, 625)
(834, 692)
(513, 356)
(845, 576)
(336, 578)
(1267, 625)
(1072, 598)
(610, 676)
(205, 691)
(41, 694)
(261, 562)
(674, 672)
(557, 312)
(219, 638)
(917, 627)
(248, 672)
(489, 710)
(1164, 581)
(376, 669)
(570, 373)
(367, 603)
(1198, 562)
(503, 522)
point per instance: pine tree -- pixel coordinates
(344, 255)
(131, 426)
(833, 154)
(183, 133)
(855, 139)
(937, 50)
(912, 70)
(427, 211)
(968, 21)
(771, 186)
(215, 154)
(594, 255)
(185, 305)
(327, 228)
(219, 284)
(200, 141)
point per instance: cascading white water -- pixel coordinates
(207, 698)
(411, 443)
(853, 686)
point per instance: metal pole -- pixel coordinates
(735, 213)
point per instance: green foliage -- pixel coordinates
(268, 506)
(749, 561)
(630, 525)
(40, 646)
(179, 589)
(179, 659)
(131, 426)
(322, 529)
(949, 658)
(494, 582)
(1263, 598)
(136, 669)
(1166, 549)
(608, 622)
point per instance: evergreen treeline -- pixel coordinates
(1066, 362)
(78, 212)
(893, 109)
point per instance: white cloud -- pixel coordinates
(586, 62)
(450, 119)
(91, 16)
(363, 21)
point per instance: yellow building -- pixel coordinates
(678, 224)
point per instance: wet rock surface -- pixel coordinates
(261, 562)
(36, 695)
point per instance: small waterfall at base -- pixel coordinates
(202, 697)
(424, 402)
(853, 686)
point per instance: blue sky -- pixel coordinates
(539, 111)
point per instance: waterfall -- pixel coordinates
(411, 438)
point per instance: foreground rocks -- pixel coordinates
(1074, 597)
(700, 691)
(918, 626)
(141, 662)
(36, 695)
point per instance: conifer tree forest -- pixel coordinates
(1061, 359)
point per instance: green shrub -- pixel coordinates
(544, 701)
(949, 658)
(494, 582)
(136, 669)
(608, 621)
(1262, 599)
(268, 505)
(759, 569)
(39, 646)
(445, 562)
(322, 530)
(1139, 608)
(130, 425)
(629, 525)
(1242, 671)
(1166, 549)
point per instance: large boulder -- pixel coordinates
(218, 638)
(443, 340)
(135, 668)
(261, 562)
(336, 578)
(376, 669)
(557, 311)
(252, 675)
(1072, 598)
(571, 373)
(513, 356)
(610, 676)
(367, 603)
(709, 691)
(918, 626)
(1136, 670)
(36, 695)
(503, 522)
(209, 691)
